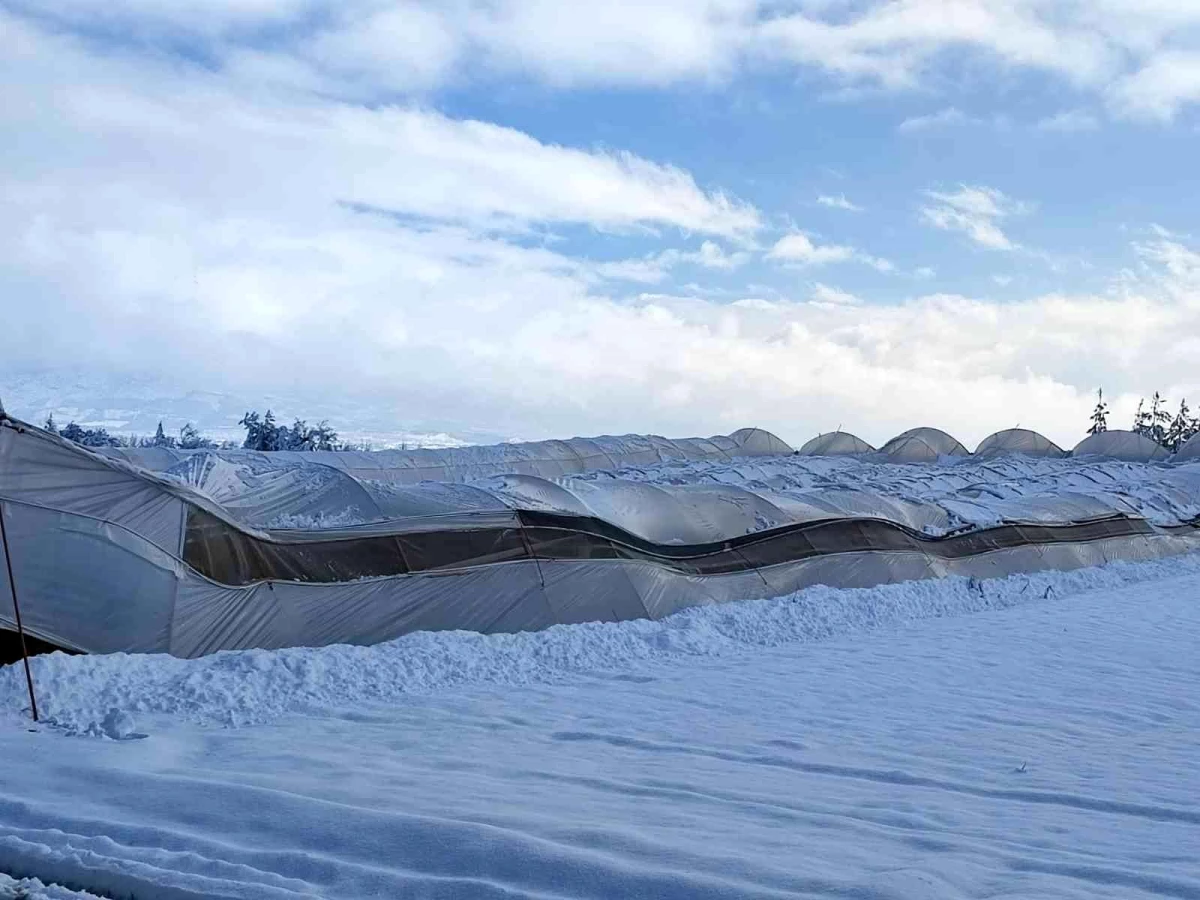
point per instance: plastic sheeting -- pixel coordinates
(922, 445)
(547, 459)
(109, 557)
(41, 469)
(835, 443)
(1189, 451)
(1124, 445)
(155, 605)
(1019, 440)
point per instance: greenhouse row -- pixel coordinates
(190, 552)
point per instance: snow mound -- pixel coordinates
(33, 889)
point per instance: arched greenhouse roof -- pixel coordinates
(835, 443)
(1123, 445)
(1019, 440)
(922, 445)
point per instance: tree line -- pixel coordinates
(189, 437)
(262, 433)
(1156, 423)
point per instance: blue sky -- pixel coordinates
(678, 216)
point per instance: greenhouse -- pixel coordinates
(1190, 451)
(1019, 440)
(835, 443)
(919, 445)
(190, 552)
(1124, 445)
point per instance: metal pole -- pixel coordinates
(12, 587)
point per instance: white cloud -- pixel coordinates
(1160, 89)
(655, 267)
(824, 293)
(942, 118)
(976, 212)
(838, 202)
(230, 233)
(203, 136)
(1139, 56)
(798, 248)
(1069, 121)
(925, 272)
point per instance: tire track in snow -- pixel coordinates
(900, 778)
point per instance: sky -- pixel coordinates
(541, 218)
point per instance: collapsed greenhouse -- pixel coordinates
(190, 552)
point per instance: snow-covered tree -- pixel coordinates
(50, 425)
(161, 439)
(1141, 419)
(1160, 419)
(89, 437)
(191, 439)
(263, 434)
(323, 437)
(261, 431)
(1180, 429)
(1099, 414)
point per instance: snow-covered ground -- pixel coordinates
(1037, 736)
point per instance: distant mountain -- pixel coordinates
(134, 404)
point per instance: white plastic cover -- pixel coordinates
(547, 459)
(1189, 451)
(96, 543)
(1019, 440)
(922, 445)
(835, 443)
(1124, 445)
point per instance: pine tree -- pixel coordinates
(89, 437)
(191, 439)
(50, 424)
(161, 439)
(252, 422)
(1099, 414)
(324, 437)
(1141, 420)
(273, 437)
(263, 434)
(1160, 419)
(1179, 429)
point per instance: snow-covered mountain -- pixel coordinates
(135, 404)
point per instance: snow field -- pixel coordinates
(1034, 736)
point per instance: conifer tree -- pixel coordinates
(1160, 419)
(1180, 428)
(1099, 414)
(160, 437)
(1141, 420)
(50, 425)
(191, 439)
